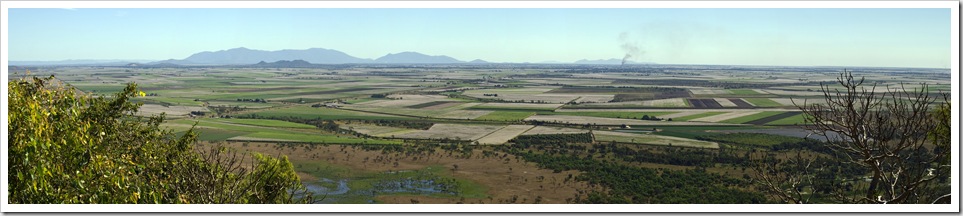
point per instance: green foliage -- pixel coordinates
(941, 133)
(70, 148)
(628, 184)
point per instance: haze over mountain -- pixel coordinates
(248, 56)
(245, 56)
(414, 57)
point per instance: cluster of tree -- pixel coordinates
(628, 184)
(555, 122)
(490, 95)
(560, 141)
(256, 100)
(671, 155)
(224, 109)
(379, 95)
(69, 148)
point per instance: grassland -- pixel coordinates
(695, 116)
(763, 102)
(616, 114)
(266, 123)
(792, 120)
(748, 118)
(459, 104)
(218, 130)
(307, 112)
(648, 139)
(505, 116)
(751, 139)
(743, 91)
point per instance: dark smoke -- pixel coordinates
(630, 48)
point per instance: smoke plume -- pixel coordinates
(629, 47)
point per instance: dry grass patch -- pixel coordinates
(669, 102)
(608, 136)
(503, 175)
(553, 130)
(452, 131)
(502, 136)
(464, 114)
(725, 102)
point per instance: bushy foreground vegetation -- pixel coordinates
(70, 148)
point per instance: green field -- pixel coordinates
(324, 114)
(215, 130)
(743, 91)
(695, 116)
(615, 114)
(750, 139)
(175, 101)
(213, 134)
(483, 107)
(505, 116)
(692, 132)
(748, 118)
(319, 138)
(762, 102)
(101, 89)
(792, 120)
(267, 123)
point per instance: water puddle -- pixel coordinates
(385, 183)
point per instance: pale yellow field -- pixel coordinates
(502, 136)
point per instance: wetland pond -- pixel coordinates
(364, 188)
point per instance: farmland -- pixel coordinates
(501, 133)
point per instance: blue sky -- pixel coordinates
(802, 37)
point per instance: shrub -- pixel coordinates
(66, 147)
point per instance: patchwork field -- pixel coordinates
(450, 133)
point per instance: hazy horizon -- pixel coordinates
(775, 37)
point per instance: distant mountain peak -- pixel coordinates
(409, 57)
(243, 55)
(479, 61)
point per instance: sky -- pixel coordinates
(789, 37)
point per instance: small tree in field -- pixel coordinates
(881, 147)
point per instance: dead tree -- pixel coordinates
(900, 137)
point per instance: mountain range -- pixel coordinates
(245, 56)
